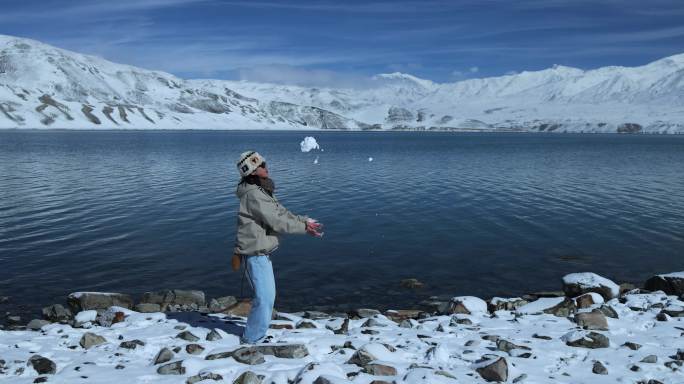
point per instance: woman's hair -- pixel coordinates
(251, 179)
(266, 184)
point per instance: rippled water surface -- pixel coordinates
(480, 214)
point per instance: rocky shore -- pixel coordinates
(593, 331)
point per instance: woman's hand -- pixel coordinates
(314, 228)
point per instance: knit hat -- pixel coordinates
(249, 161)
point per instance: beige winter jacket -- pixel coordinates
(260, 219)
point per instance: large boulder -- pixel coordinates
(592, 320)
(175, 368)
(467, 305)
(576, 284)
(222, 303)
(493, 368)
(57, 313)
(89, 340)
(37, 324)
(189, 298)
(583, 339)
(42, 365)
(671, 283)
(148, 308)
(83, 301)
(505, 304)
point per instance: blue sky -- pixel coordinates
(339, 43)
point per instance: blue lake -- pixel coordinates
(467, 214)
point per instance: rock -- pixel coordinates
(306, 324)
(502, 304)
(323, 380)
(542, 294)
(439, 307)
(520, 378)
(408, 323)
(592, 320)
(459, 321)
(674, 311)
(249, 377)
(163, 356)
(175, 368)
(40, 379)
(222, 303)
(109, 317)
(494, 370)
(187, 336)
(671, 284)
(467, 305)
(507, 346)
(662, 317)
(247, 355)
(586, 340)
(364, 313)
(84, 318)
(543, 337)
(37, 324)
(315, 315)
(13, 319)
(608, 311)
(399, 315)
(203, 376)
(632, 346)
(364, 355)
(344, 328)
(214, 335)
(679, 356)
(83, 301)
(57, 313)
(132, 344)
(241, 309)
(380, 369)
(42, 365)
(626, 287)
(650, 359)
(585, 301)
(635, 368)
(576, 284)
(289, 351)
(194, 349)
(599, 368)
(563, 309)
(282, 326)
(411, 284)
(175, 297)
(148, 308)
(89, 340)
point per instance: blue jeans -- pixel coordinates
(260, 272)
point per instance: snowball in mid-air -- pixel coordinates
(308, 144)
(316, 160)
(370, 159)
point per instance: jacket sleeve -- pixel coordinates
(275, 216)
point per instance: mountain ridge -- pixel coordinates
(42, 86)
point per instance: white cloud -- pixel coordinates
(474, 69)
(291, 75)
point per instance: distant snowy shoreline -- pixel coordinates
(594, 330)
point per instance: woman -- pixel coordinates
(260, 220)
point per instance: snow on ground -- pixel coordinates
(434, 349)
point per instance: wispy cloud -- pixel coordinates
(332, 42)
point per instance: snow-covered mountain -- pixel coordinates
(46, 87)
